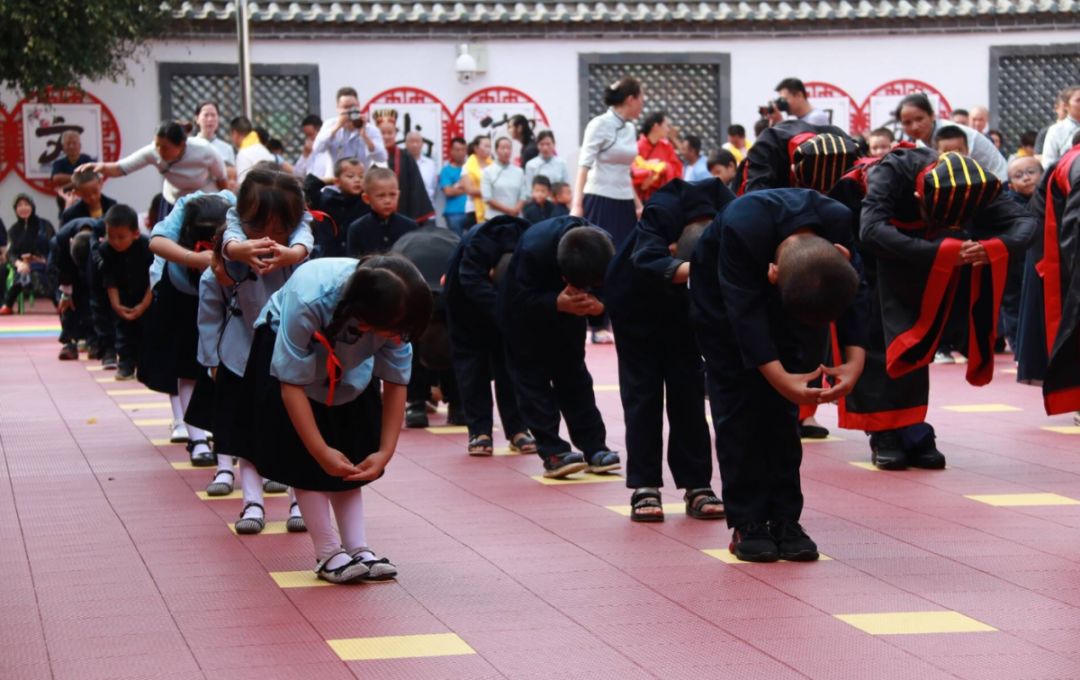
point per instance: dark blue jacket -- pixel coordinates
(732, 303)
(370, 235)
(638, 284)
(67, 271)
(80, 209)
(470, 292)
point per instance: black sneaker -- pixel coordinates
(455, 414)
(794, 544)
(559, 465)
(125, 373)
(108, 361)
(926, 456)
(752, 542)
(604, 461)
(812, 432)
(416, 415)
(69, 352)
(94, 352)
(887, 451)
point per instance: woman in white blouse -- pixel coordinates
(604, 193)
(208, 119)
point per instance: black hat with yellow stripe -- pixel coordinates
(821, 160)
(954, 189)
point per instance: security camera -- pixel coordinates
(465, 65)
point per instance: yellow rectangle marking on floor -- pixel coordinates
(186, 465)
(147, 406)
(298, 579)
(864, 465)
(982, 408)
(147, 422)
(166, 442)
(448, 429)
(1063, 429)
(579, 478)
(235, 495)
(915, 623)
(105, 380)
(400, 647)
(605, 388)
(669, 509)
(506, 451)
(270, 528)
(725, 556)
(1011, 371)
(830, 438)
(97, 367)
(1019, 500)
(131, 392)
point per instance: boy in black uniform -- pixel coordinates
(430, 249)
(377, 231)
(772, 262)
(647, 300)
(125, 260)
(69, 262)
(543, 303)
(540, 207)
(342, 204)
(478, 350)
(797, 154)
(925, 219)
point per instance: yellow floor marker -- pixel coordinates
(147, 422)
(1011, 371)
(147, 406)
(1063, 429)
(400, 647)
(166, 442)
(1020, 500)
(605, 388)
(669, 509)
(186, 465)
(270, 528)
(982, 408)
(448, 429)
(830, 438)
(914, 623)
(235, 495)
(105, 380)
(98, 367)
(725, 556)
(506, 451)
(130, 392)
(864, 465)
(579, 478)
(298, 579)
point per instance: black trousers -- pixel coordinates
(650, 363)
(102, 315)
(476, 365)
(550, 375)
(128, 338)
(76, 324)
(423, 379)
(757, 442)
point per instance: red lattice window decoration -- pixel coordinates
(855, 123)
(6, 148)
(412, 95)
(903, 87)
(110, 131)
(501, 97)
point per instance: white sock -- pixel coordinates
(177, 408)
(250, 482)
(316, 508)
(252, 512)
(186, 388)
(349, 511)
(294, 509)
(224, 463)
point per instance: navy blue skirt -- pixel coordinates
(616, 217)
(219, 405)
(170, 339)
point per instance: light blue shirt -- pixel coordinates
(698, 171)
(301, 235)
(345, 142)
(304, 306)
(170, 228)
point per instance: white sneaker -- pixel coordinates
(179, 433)
(944, 358)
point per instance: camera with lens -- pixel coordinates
(779, 104)
(356, 117)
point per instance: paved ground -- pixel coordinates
(112, 567)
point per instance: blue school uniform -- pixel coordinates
(740, 325)
(477, 344)
(291, 347)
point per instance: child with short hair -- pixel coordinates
(69, 262)
(880, 142)
(380, 229)
(125, 261)
(539, 208)
(86, 187)
(722, 165)
(563, 194)
(343, 203)
(543, 302)
(315, 423)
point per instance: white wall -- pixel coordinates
(957, 65)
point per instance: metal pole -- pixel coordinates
(244, 39)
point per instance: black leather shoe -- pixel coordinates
(416, 415)
(926, 456)
(887, 451)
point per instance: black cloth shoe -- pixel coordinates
(887, 451)
(416, 415)
(93, 352)
(926, 456)
(455, 414)
(108, 361)
(125, 373)
(794, 544)
(812, 432)
(559, 465)
(752, 542)
(69, 352)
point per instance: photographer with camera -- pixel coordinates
(350, 134)
(792, 100)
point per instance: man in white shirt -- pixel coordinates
(350, 134)
(310, 163)
(414, 144)
(249, 150)
(793, 91)
(1059, 136)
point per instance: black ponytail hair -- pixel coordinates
(386, 292)
(203, 216)
(521, 124)
(174, 131)
(621, 90)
